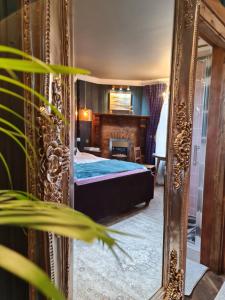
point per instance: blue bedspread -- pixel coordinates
(104, 167)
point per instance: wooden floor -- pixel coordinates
(208, 287)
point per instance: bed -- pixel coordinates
(106, 187)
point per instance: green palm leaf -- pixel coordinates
(32, 91)
(11, 73)
(4, 162)
(14, 137)
(18, 96)
(6, 108)
(27, 101)
(34, 67)
(18, 52)
(19, 133)
(50, 217)
(59, 69)
(17, 65)
(17, 264)
(9, 110)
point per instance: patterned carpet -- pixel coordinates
(97, 274)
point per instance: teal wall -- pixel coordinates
(97, 98)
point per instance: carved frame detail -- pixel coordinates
(174, 290)
(182, 144)
(50, 181)
(179, 146)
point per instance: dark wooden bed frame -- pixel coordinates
(110, 197)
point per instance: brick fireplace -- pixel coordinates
(108, 127)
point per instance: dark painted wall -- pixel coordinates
(97, 98)
(11, 288)
(8, 7)
(145, 105)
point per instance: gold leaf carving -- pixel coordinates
(174, 290)
(189, 13)
(54, 161)
(182, 143)
(50, 179)
(55, 157)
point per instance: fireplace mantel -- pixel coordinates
(107, 126)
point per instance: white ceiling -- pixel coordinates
(124, 39)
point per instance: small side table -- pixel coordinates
(159, 159)
(151, 168)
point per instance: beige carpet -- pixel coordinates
(98, 276)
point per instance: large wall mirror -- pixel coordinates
(121, 149)
(129, 137)
(121, 142)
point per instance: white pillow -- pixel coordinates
(84, 158)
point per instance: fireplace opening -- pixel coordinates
(119, 148)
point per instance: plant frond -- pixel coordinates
(15, 51)
(18, 96)
(28, 66)
(22, 267)
(9, 110)
(11, 73)
(35, 93)
(12, 136)
(4, 162)
(20, 133)
(48, 68)
(17, 209)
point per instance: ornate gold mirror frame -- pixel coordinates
(48, 34)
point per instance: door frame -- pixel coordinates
(212, 29)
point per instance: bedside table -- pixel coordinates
(152, 168)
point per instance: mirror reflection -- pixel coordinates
(120, 148)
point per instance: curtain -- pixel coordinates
(154, 95)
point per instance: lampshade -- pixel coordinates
(85, 114)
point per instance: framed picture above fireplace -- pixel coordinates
(120, 102)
